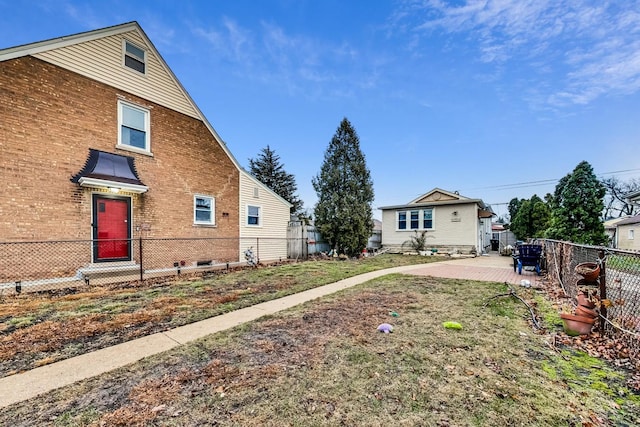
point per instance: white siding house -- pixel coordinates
(454, 223)
(264, 217)
(628, 233)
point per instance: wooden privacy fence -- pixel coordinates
(305, 240)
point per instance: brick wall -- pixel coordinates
(50, 119)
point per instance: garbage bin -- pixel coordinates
(495, 245)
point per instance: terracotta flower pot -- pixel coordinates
(587, 312)
(589, 270)
(584, 301)
(577, 325)
(584, 283)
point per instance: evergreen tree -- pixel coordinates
(514, 205)
(270, 171)
(577, 206)
(345, 192)
(531, 219)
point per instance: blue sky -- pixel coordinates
(494, 99)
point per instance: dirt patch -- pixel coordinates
(41, 328)
(324, 363)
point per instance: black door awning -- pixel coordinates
(108, 170)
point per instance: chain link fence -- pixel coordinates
(51, 265)
(617, 287)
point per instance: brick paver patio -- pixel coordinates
(491, 268)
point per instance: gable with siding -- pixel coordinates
(105, 48)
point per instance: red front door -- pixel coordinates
(111, 229)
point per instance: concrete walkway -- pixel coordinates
(26, 385)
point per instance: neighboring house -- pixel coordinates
(611, 230)
(454, 223)
(501, 238)
(264, 218)
(99, 140)
(628, 233)
(634, 197)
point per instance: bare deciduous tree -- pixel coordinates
(616, 204)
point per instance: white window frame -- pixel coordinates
(259, 224)
(126, 54)
(212, 210)
(147, 128)
(422, 218)
(415, 215)
(408, 219)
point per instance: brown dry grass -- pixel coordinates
(51, 326)
(325, 364)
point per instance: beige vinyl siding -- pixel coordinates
(447, 231)
(270, 236)
(102, 60)
(624, 242)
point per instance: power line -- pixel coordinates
(544, 181)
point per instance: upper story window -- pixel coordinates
(133, 127)
(134, 57)
(253, 215)
(421, 219)
(630, 234)
(204, 208)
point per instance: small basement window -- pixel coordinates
(134, 57)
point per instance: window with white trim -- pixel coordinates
(134, 57)
(402, 220)
(204, 209)
(254, 215)
(427, 219)
(133, 127)
(416, 219)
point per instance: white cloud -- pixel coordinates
(585, 48)
(229, 40)
(84, 14)
(299, 64)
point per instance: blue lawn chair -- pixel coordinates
(527, 256)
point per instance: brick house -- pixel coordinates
(99, 140)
